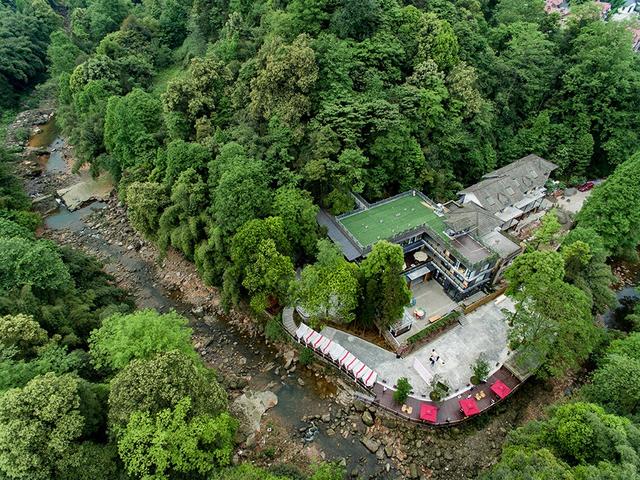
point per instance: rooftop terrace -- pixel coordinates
(389, 218)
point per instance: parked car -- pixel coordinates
(586, 186)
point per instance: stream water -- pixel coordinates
(55, 162)
(45, 137)
(294, 400)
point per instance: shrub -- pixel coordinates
(435, 327)
(22, 134)
(402, 390)
(306, 356)
(480, 369)
(273, 330)
(439, 388)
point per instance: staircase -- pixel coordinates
(288, 322)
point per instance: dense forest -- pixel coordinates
(88, 385)
(227, 124)
(214, 114)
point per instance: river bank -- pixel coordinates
(370, 443)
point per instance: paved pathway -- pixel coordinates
(288, 322)
(482, 331)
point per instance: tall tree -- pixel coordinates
(284, 82)
(301, 227)
(180, 445)
(384, 288)
(122, 338)
(132, 129)
(329, 289)
(613, 210)
(269, 276)
(241, 195)
(552, 325)
(159, 383)
(600, 57)
(38, 426)
(586, 267)
(195, 103)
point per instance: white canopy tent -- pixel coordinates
(336, 352)
(302, 331)
(370, 379)
(321, 342)
(347, 359)
(311, 337)
(327, 347)
(355, 367)
(363, 372)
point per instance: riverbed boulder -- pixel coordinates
(288, 357)
(86, 191)
(359, 405)
(251, 406)
(371, 444)
(367, 418)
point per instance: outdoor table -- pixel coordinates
(428, 413)
(469, 407)
(500, 389)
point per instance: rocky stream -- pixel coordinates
(289, 413)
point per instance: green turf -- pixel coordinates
(389, 219)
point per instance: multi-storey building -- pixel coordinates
(464, 243)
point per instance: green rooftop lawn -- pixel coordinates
(385, 221)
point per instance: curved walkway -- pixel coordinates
(449, 412)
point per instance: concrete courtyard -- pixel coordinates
(573, 203)
(483, 331)
(431, 298)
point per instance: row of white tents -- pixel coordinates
(337, 354)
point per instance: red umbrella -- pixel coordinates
(500, 389)
(428, 413)
(469, 407)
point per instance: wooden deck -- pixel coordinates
(449, 412)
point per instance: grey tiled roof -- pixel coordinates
(507, 185)
(470, 217)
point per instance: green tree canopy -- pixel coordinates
(63, 54)
(330, 288)
(159, 383)
(32, 263)
(146, 201)
(132, 129)
(285, 80)
(385, 290)
(552, 323)
(139, 335)
(23, 333)
(38, 426)
(301, 227)
(613, 212)
(586, 267)
(242, 194)
(174, 443)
